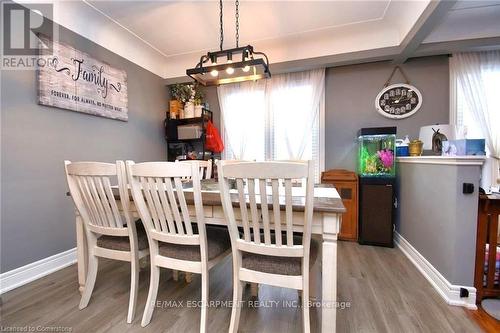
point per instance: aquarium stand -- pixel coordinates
(376, 211)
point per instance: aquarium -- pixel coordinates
(376, 156)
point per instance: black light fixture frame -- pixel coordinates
(248, 59)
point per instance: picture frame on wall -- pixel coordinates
(73, 80)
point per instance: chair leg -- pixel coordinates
(134, 286)
(236, 310)
(153, 292)
(254, 290)
(175, 275)
(90, 282)
(306, 324)
(204, 301)
(144, 263)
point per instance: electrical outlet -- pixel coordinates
(468, 188)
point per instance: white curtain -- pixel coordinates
(242, 108)
(477, 74)
(274, 119)
(294, 102)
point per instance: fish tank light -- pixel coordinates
(377, 153)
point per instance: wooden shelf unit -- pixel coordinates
(171, 134)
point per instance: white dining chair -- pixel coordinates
(205, 167)
(110, 234)
(175, 242)
(267, 251)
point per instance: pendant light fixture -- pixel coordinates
(221, 67)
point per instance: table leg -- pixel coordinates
(315, 274)
(81, 252)
(331, 226)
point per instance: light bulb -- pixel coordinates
(246, 69)
(229, 70)
(214, 72)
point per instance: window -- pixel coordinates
(276, 119)
(474, 82)
(464, 115)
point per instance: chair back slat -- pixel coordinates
(254, 211)
(165, 204)
(288, 211)
(105, 203)
(98, 201)
(91, 190)
(204, 167)
(243, 209)
(155, 186)
(87, 201)
(276, 210)
(112, 202)
(181, 199)
(265, 211)
(268, 191)
(174, 206)
(149, 201)
(159, 196)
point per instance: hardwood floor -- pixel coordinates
(384, 291)
(485, 321)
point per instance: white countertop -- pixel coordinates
(447, 160)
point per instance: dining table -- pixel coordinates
(327, 216)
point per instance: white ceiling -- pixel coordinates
(166, 37)
(180, 27)
(468, 20)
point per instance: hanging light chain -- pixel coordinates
(237, 23)
(221, 25)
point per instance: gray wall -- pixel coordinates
(213, 100)
(350, 98)
(350, 103)
(439, 220)
(37, 218)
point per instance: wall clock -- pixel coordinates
(400, 100)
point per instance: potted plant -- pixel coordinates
(198, 100)
(176, 92)
(188, 93)
(189, 98)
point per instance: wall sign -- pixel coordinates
(398, 101)
(73, 80)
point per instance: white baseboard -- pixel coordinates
(25, 274)
(449, 292)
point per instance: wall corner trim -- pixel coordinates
(38, 269)
(449, 292)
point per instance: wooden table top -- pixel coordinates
(331, 203)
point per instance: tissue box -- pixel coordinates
(464, 147)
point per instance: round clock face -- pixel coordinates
(398, 101)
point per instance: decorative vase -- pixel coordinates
(189, 110)
(198, 110)
(415, 147)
